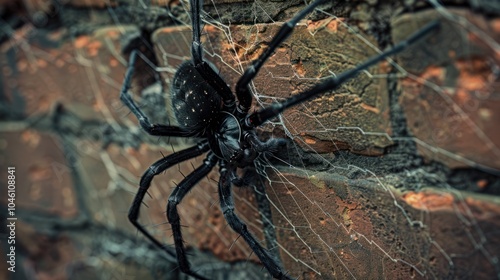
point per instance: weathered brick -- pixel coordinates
(450, 98)
(366, 229)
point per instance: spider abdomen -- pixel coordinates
(196, 104)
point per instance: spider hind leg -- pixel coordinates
(146, 179)
(176, 197)
(272, 264)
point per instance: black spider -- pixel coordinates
(206, 108)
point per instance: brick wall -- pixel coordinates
(396, 175)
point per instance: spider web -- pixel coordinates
(356, 214)
(372, 184)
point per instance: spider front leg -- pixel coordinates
(152, 129)
(242, 90)
(270, 146)
(227, 206)
(259, 117)
(176, 197)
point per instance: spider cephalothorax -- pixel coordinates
(207, 109)
(198, 108)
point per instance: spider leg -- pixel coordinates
(266, 215)
(152, 129)
(206, 71)
(196, 7)
(242, 89)
(243, 181)
(227, 206)
(155, 169)
(332, 83)
(270, 145)
(252, 179)
(176, 197)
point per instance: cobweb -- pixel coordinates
(364, 189)
(393, 175)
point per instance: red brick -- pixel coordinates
(454, 115)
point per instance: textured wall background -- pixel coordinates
(396, 175)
